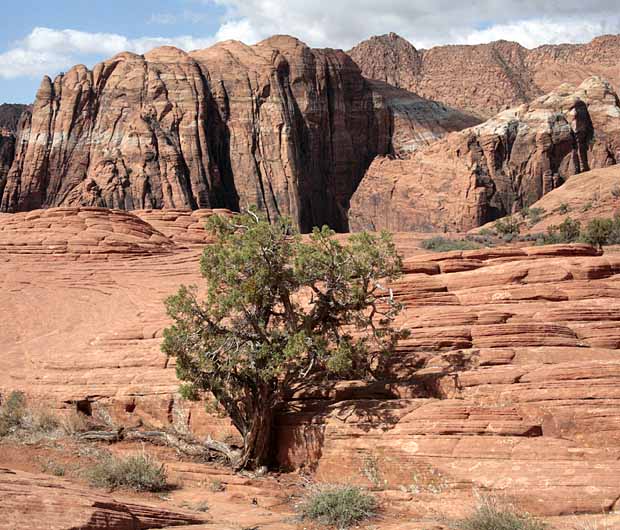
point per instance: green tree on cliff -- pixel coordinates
(280, 312)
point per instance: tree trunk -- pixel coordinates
(257, 440)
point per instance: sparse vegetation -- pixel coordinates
(534, 215)
(12, 413)
(139, 472)
(490, 514)
(441, 244)
(217, 485)
(568, 231)
(615, 191)
(51, 467)
(508, 227)
(602, 231)
(564, 208)
(341, 506)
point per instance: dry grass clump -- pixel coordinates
(490, 514)
(340, 506)
(139, 472)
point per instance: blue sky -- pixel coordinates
(39, 37)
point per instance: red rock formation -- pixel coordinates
(9, 124)
(583, 197)
(491, 170)
(40, 502)
(277, 124)
(486, 78)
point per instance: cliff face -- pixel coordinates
(277, 124)
(493, 169)
(9, 124)
(487, 78)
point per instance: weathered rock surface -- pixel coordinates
(509, 381)
(582, 197)
(279, 125)
(9, 124)
(494, 169)
(486, 78)
(41, 502)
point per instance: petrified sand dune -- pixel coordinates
(486, 78)
(494, 169)
(509, 382)
(27, 503)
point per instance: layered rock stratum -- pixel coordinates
(490, 170)
(486, 78)
(278, 125)
(509, 382)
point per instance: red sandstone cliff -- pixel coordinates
(277, 124)
(486, 78)
(493, 169)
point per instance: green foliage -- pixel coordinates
(564, 208)
(341, 506)
(534, 215)
(508, 227)
(12, 413)
(441, 244)
(491, 515)
(568, 231)
(598, 232)
(139, 472)
(279, 312)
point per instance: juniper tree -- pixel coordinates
(279, 311)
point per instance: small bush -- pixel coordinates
(12, 413)
(341, 506)
(615, 191)
(441, 244)
(564, 208)
(491, 515)
(598, 232)
(533, 214)
(568, 231)
(216, 485)
(138, 472)
(508, 227)
(53, 468)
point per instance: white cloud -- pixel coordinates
(330, 23)
(47, 51)
(343, 23)
(532, 33)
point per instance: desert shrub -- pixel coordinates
(52, 467)
(564, 208)
(139, 472)
(491, 515)
(587, 206)
(615, 191)
(341, 506)
(534, 215)
(507, 227)
(598, 232)
(568, 231)
(216, 485)
(12, 413)
(442, 244)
